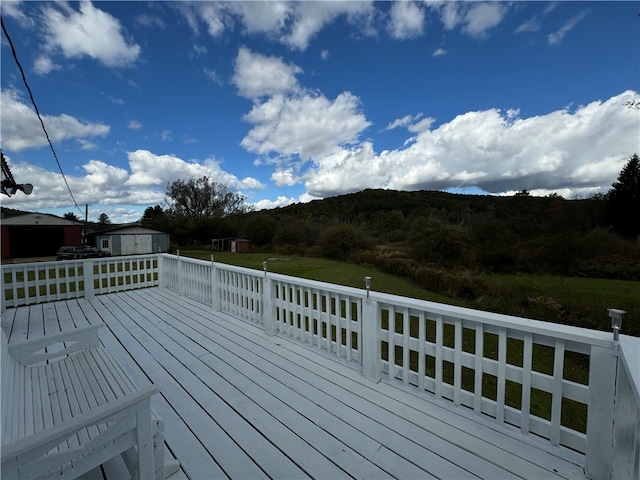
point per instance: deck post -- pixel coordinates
(87, 278)
(268, 312)
(180, 273)
(371, 359)
(602, 384)
(215, 287)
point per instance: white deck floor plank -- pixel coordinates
(234, 409)
(300, 394)
(239, 404)
(370, 413)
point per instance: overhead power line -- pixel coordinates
(26, 84)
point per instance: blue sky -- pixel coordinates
(286, 102)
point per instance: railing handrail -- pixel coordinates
(526, 325)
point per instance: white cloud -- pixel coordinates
(43, 65)
(580, 151)
(439, 52)
(21, 129)
(291, 121)
(402, 122)
(473, 18)
(88, 32)
(166, 136)
(293, 24)
(213, 76)
(99, 183)
(531, 25)
(406, 20)
(134, 124)
(324, 54)
(482, 17)
(305, 125)
(258, 76)
(13, 9)
(556, 37)
(285, 177)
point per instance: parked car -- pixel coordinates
(79, 252)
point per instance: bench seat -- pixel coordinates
(63, 417)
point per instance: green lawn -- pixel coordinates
(324, 270)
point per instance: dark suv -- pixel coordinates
(80, 252)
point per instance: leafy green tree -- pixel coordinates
(155, 217)
(71, 216)
(624, 200)
(261, 229)
(103, 219)
(201, 198)
(340, 242)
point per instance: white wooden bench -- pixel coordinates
(67, 407)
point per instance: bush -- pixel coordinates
(339, 243)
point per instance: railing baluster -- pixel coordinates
(556, 399)
(422, 338)
(478, 374)
(439, 346)
(457, 366)
(502, 367)
(527, 359)
(405, 346)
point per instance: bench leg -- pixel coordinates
(144, 442)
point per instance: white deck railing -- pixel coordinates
(28, 283)
(574, 388)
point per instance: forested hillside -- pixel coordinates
(437, 230)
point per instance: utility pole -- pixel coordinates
(86, 219)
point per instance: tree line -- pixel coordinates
(404, 232)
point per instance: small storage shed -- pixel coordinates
(235, 245)
(132, 240)
(38, 235)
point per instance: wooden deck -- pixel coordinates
(240, 404)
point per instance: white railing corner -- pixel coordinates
(602, 384)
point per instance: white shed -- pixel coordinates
(132, 240)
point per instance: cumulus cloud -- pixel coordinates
(406, 20)
(134, 124)
(287, 119)
(20, 127)
(43, 65)
(143, 183)
(306, 125)
(439, 52)
(497, 151)
(87, 32)
(258, 76)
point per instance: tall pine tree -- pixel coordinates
(624, 200)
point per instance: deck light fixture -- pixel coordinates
(616, 321)
(264, 266)
(367, 284)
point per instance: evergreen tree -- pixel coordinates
(624, 200)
